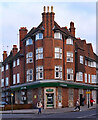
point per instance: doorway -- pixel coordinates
(50, 100)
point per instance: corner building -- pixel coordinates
(52, 66)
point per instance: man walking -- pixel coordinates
(39, 106)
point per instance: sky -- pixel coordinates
(14, 15)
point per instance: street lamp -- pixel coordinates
(12, 101)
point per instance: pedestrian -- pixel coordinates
(39, 106)
(82, 101)
(91, 101)
(77, 105)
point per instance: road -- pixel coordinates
(82, 114)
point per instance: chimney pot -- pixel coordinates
(51, 8)
(47, 8)
(44, 9)
(4, 55)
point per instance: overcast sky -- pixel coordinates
(14, 15)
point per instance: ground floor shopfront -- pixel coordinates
(52, 94)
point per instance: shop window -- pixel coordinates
(29, 75)
(29, 57)
(85, 77)
(7, 81)
(39, 36)
(69, 57)
(14, 79)
(39, 72)
(69, 74)
(58, 53)
(79, 76)
(58, 72)
(39, 53)
(81, 59)
(58, 35)
(69, 41)
(29, 41)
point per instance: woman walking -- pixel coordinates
(77, 105)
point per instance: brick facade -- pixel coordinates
(39, 48)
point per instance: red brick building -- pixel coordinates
(52, 66)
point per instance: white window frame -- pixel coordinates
(89, 63)
(18, 78)
(57, 35)
(18, 61)
(58, 70)
(69, 56)
(39, 53)
(7, 66)
(69, 41)
(7, 81)
(29, 57)
(79, 76)
(58, 53)
(2, 68)
(14, 63)
(2, 82)
(86, 62)
(29, 75)
(39, 72)
(81, 59)
(85, 77)
(70, 73)
(93, 78)
(14, 79)
(38, 37)
(89, 78)
(28, 41)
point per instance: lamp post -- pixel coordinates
(12, 102)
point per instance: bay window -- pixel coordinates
(58, 53)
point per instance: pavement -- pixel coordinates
(47, 111)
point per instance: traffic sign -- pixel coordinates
(88, 92)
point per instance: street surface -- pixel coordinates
(81, 114)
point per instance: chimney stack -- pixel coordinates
(72, 28)
(4, 55)
(14, 50)
(48, 21)
(22, 33)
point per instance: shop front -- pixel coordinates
(49, 97)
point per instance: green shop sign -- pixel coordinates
(49, 90)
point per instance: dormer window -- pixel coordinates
(29, 41)
(57, 35)
(69, 41)
(39, 36)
